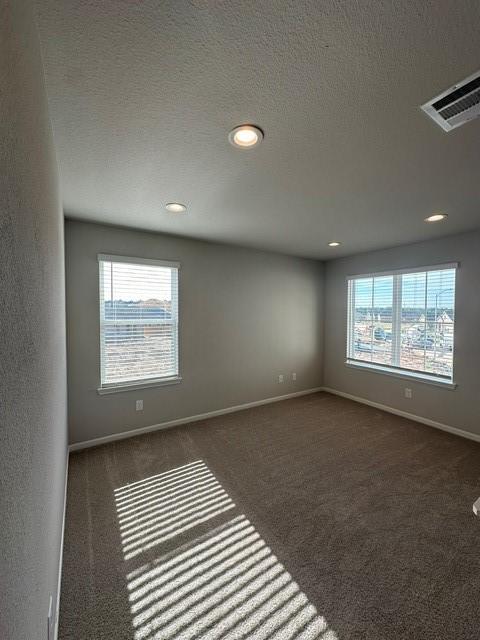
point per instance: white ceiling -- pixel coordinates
(144, 93)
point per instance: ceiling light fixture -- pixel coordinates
(436, 217)
(334, 243)
(245, 136)
(175, 207)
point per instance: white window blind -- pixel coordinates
(404, 320)
(138, 320)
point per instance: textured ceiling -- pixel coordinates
(144, 93)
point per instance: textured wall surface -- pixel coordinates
(458, 408)
(32, 340)
(245, 317)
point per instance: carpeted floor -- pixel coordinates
(316, 517)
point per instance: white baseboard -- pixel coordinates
(77, 446)
(60, 564)
(404, 414)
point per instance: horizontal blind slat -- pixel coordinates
(138, 319)
(404, 320)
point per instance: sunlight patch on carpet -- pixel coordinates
(225, 584)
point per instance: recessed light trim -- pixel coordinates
(436, 217)
(175, 207)
(245, 136)
(334, 243)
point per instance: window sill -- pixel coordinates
(142, 384)
(404, 375)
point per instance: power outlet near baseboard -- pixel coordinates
(50, 620)
(408, 393)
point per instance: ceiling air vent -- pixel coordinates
(457, 105)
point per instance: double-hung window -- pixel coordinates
(138, 322)
(403, 322)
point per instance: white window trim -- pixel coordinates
(102, 257)
(118, 387)
(394, 272)
(394, 371)
(404, 374)
(142, 384)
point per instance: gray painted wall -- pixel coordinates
(245, 317)
(33, 433)
(459, 408)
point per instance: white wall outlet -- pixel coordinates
(280, 377)
(139, 405)
(408, 393)
(50, 621)
(294, 376)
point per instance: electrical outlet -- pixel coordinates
(50, 620)
(294, 376)
(280, 377)
(139, 405)
(408, 393)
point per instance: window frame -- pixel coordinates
(394, 369)
(115, 387)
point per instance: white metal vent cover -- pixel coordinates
(456, 105)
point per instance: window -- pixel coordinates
(138, 321)
(403, 321)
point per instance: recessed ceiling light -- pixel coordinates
(246, 136)
(175, 207)
(334, 243)
(436, 217)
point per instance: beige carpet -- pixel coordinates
(311, 518)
